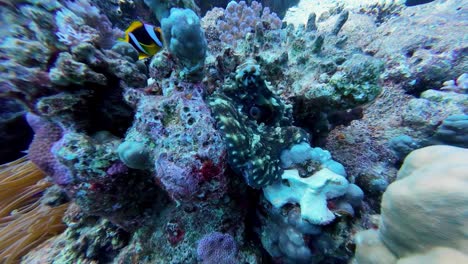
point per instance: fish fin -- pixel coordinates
(124, 39)
(134, 25)
(142, 56)
(151, 49)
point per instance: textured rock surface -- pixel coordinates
(425, 208)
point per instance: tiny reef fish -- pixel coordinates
(417, 2)
(146, 39)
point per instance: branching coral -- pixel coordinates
(240, 19)
(24, 221)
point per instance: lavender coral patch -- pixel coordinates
(240, 19)
(188, 153)
(46, 134)
(217, 248)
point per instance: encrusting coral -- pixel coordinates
(25, 221)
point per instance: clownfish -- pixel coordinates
(146, 39)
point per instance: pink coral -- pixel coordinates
(40, 150)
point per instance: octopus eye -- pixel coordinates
(255, 112)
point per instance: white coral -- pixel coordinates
(310, 193)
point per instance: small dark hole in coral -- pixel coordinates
(190, 121)
(285, 182)
(410, 53)
(186, 109)
(417, 61)
(45, 109)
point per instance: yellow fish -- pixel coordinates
(146, 39)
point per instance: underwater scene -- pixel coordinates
(234, 132)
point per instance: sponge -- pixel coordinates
(186, 40)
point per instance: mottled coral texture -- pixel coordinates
(46, 134)
(240, 19)
(217, 248)
(65, 70)
(186, 152)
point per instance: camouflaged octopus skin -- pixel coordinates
(255, 124)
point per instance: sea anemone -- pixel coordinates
(24, 221)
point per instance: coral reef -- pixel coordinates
(219, 147)
(308, 68)
(100, 184)
(422, 213)
(186, 152)
(439, 59)
(71, 75)
(255, 126)
(311, 192)
(277, 6)
(161, 9)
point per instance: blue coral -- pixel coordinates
(186, 40)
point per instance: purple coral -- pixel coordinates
(240, 19)
(46, 134)
(217, 248)
(189, 154)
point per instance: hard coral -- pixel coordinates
(100, 184)
(186, 40)
(422, 211)
(87, 239)
(179, 128)
(46, 134)
(72, 67)
(310, 193)
(240, 19)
